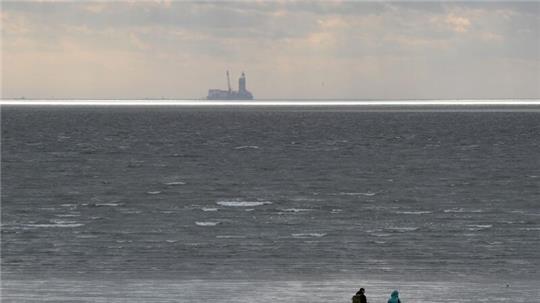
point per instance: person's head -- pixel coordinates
(395, 294)
(361, 291)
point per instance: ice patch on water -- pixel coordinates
(206, 223)
(209, 209)
(156, 192)
(309, 235)
(242, 203)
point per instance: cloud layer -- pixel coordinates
(328, 49)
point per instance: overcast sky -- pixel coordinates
(327, 49)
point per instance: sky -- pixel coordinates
(287, 49)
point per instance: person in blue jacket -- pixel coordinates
(394, 297)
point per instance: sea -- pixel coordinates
(262, 204)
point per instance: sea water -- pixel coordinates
(108, 204)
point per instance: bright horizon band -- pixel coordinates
(206, 103)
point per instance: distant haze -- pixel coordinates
(304, 49)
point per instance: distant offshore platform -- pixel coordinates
(241, 94)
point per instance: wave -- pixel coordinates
(419, 212)
(209, 209)
(309, 235)
(477, 227)
(379, 234)
(206, 223)
(402, 229)
(106, 204)
(247, 147)
(230, 237)
(242, 203)
(296, 210)
(463, 210)
(175, 183)
(157, 192)
(367, 194)
(57, 224)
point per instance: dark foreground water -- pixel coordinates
(187, 205)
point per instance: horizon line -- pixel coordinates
(263, 103)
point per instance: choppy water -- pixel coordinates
(169, 204)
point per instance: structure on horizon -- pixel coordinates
(241, 94)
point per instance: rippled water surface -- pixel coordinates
(102, 204)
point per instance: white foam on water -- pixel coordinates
(242, 203)
(209, 209)
(309, 235)
(153, 192)
(206, 223)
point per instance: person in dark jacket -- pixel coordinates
(359, 297)
(394, 297)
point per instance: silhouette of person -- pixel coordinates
(359, 297)
(394, 297)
